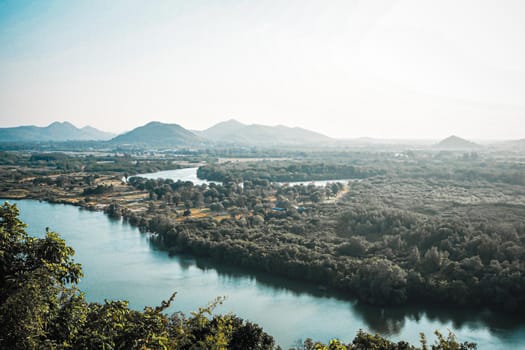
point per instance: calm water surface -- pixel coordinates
(119, 262)
(190, 174)
(185, 174)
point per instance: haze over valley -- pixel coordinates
(229, 133)
(262, 175)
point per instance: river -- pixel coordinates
(119, 262)
(184, 174)
(190, 174)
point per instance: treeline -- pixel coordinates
(284, 171)
(66, 163)
(470, 171)
(459, 167)
(40, 308)
(310, 166)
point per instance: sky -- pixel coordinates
(386, 69)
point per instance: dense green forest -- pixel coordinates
(284, 171)
(428, 230)
(440, 227)
(40, 308)
(63, 163)
(409, 227)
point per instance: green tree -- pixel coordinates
(34, 274)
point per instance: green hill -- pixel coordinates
(158, 134)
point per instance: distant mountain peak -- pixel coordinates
(156, 122)
(60, 124)
(232, 131)
(232, 121)
(456, 142)
(156, 133)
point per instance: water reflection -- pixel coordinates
(391, 320)
(231, 273)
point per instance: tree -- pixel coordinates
(433, 260)
(356, 246)
(33, 281)
(380, 281)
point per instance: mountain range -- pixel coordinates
(235, 132)
(57, 131)
(157, 134)
(230, 132)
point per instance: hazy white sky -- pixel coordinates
(396, 69)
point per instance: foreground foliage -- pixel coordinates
(365, 341)
(40, 308)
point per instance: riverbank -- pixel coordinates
(300, 232)
(127, 266)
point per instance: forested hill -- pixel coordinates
(56, 131)
(158, 134)
(232, 131)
